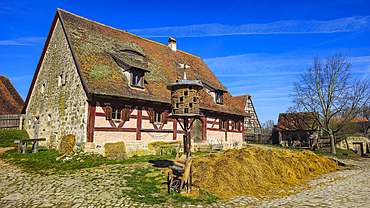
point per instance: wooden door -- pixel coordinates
(358, 147)
(197, 133)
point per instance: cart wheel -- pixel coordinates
(175, 186)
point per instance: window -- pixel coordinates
(235, 125)
(43, 87)
(219, 97)
(116, 113)
(195, 99)
(137, 79)
(157, 117)
(62, 80)
(221, 124)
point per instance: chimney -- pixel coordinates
(172, 43)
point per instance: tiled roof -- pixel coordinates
(10, 101)
(99, 49)
(241, 100)
(296, 122)
(356, 119)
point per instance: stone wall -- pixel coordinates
(351, 140)
(58, 99)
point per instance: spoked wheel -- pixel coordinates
(175, 186)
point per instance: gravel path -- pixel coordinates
(347, 188)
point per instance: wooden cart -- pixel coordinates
(179, 179)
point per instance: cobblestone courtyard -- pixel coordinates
(346, 188)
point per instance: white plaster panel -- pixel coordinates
(134, 112)
(130, 124)
(145, 124)
(215, 136)
(105, 136)
(234, 137)
(169, 125)
(210, 119)
(155, 136)
(101, 122)
(144, 113)
(99, 109)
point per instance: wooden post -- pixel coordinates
(35, 147)
(24, 147)
(20, 146)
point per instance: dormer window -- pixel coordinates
(219, 99)
(131, 52)
(137, 79)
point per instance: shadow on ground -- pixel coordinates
(161, 163)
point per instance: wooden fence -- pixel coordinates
(12, 121)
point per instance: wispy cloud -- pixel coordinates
(21, 78)
(24, 41)
(281, 27)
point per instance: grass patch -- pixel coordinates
(7, 137)
(45, 161)
(153, 190)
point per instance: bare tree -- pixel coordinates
(365, 111)
(328, 89)
(267, 126)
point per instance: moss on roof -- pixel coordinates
(97, 48)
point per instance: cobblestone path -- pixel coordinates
(347, 188)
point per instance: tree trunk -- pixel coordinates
(332, 143)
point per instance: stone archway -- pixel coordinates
(197, 131)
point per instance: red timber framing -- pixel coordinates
(138, 124)
(91, 123)
(118, 126)
(226, 130)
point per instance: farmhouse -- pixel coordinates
(252, 126)
(297, 129)
(105, 85)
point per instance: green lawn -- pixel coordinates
(7, 137)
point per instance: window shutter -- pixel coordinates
(151, 116)
(164, 119)
(220, 123)
(227, 125)
(108, 113)
(239, 126)
(126, 114)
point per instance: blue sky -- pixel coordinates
(253, 47)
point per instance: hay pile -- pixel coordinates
(116, 151)
(67, 143)
(257, 172)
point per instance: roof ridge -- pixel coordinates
(58, 9)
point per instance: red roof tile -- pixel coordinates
(10, 101)
(356, 119)
(296, 122)
(97, 48)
